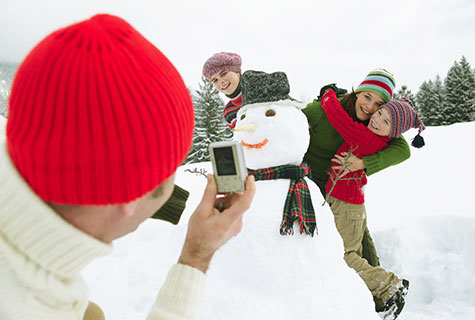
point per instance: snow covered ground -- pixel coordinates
(419, 212)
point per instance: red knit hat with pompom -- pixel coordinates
(97, 115)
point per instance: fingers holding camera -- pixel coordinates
(229, 198)
(239, 203)
(209, 229)
(243, 199)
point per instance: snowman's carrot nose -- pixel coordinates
(250, 127)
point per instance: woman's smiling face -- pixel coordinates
(367, 103)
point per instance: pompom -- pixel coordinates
(418, 141)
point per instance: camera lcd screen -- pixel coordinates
(224, 161)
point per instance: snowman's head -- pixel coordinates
(272, 134)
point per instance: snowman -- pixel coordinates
(287, 261)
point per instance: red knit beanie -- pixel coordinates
(97, 115)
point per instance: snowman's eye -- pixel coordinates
(270, 113)
(243, 116)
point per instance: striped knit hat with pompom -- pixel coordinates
(404, 117)
(97, 115)
(380, 81)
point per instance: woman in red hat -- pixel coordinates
(223, 69)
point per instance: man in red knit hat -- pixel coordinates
(223, 69)
(99, 120)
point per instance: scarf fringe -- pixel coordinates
(287, 228)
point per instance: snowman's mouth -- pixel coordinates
(257, 145)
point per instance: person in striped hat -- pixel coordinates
(379, 81)
(375, 90)
(223, 69)
(402, 117)
(344, 192)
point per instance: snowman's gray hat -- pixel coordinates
(261, 88)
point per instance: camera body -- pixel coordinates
(229, 165)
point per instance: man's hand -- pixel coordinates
(349, 163)
(210, 228)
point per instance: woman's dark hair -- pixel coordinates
(349, 105)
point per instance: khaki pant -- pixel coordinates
(94, 312)
(350, 221)
(369, 250)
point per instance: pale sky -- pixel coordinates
(314, 42)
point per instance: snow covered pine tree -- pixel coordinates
(209, 122)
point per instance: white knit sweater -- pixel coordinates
(41, 257)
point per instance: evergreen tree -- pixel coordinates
(209, 122)
(430, 100)
(423, 97)
(437, 102)
(460, 93)
(404, 92)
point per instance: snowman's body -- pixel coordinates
(261, 274)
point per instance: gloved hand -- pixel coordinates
(332, 86)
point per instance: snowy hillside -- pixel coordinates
(420, 214)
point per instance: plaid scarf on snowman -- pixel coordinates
(298, 204)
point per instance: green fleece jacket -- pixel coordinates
(325, 141)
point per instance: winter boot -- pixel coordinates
(394, 305)
(378, 304)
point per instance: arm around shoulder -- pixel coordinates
(396, 152)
